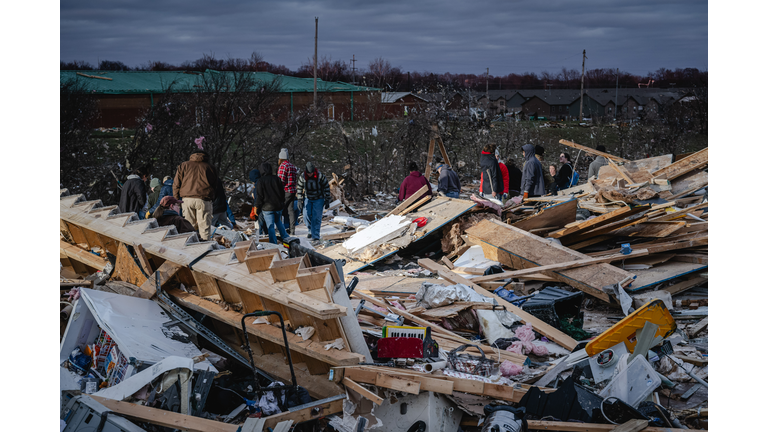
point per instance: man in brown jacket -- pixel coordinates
(194, 184)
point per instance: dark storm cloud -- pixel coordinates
(435, 36)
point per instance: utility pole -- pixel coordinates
(581, 98)
(616, 104)
(353, 69)
(315, 99)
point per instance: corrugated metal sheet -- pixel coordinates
(141, 82)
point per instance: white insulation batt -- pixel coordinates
(377, 233)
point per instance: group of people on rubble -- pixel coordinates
(500, 180)
(194, 200)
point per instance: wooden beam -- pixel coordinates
(561, 266)
(430, 153)
(362, 391)
(415, 205)
(164, 273)
(600, 221)
(338, 236)
(165, 418)
(620, 171)
(683, 166)
(408, 201)
(593, 151)
(398, 383)
(142, 257)
(679, 214)
(82, 256)
(126, 268)
(696, 329)
(94, 76)
(540, 326)
(305, 414)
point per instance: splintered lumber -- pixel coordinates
(165, 418)
(620, 171)
(561, 266)
(127, 269)
(650, 229)
(164, 273)
(82, 256)
(696, 329)
(680, 213)
(554, 216)
(600, 221)
(683, 166)
(540, 326)
(407, 202)
(592, 151)
(362, 391)
(265, 331)
(519, 249)
(659, 247)
(411, 317)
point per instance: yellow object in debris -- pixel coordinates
(626, 330)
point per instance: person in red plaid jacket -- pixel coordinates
(287, 172)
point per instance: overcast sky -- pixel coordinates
(435, 36)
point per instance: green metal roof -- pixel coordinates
(141, 82)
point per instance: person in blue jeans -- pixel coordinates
(270, 198)
(313, 190)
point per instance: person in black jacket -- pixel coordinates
(221, 211)
(515, 177)
(134, 194)
(254, 176)
(563, 177)
(167, 213)
(270, 197)
(448, 182)
(492, 186)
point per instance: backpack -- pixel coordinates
(574, 179)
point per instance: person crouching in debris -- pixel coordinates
(270, 199)
(533, 178)
(448, 183)
(134, 194)
(167, 213)
(600, 161)
(313, 186)
(491, 180)
(195, 184)
(412, 183)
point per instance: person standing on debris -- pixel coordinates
(167, 213)
(448, 182)
(515, 177)
(221, 208)
(154, 196)
(504, 174)
(533, 178)
(256, 215)
(134, 194)
(491, 180)
(195, 184)
(270, 199)
(412, 183)
(288, 173)
(313, 186)
(548, 178)
(565, 175)
(600, 161)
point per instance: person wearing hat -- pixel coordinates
(288, 173)
(167, 213)
(256, 215)
(195, 184)
(154, 196)
(134, 194)
(313, 186)
(533, 178)
(448, 183)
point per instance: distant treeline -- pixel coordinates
(380, 73)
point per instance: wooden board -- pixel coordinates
(547, 330)
(408, 201)
(519, 249)
(590, 150)
(683, 166)
(126, 268)
(82, 256)
(165, 272)
(362, 391)
(165, 418)
(397, 383)
(556, 216)
(651, 277)
(649, 229)
(587, 427)
(640, 169)
(600, 221)
(305, 414)
(692, 281)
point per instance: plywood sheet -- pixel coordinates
(670, 270)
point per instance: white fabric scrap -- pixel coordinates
(338, 344)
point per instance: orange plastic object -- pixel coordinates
(626, 330)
